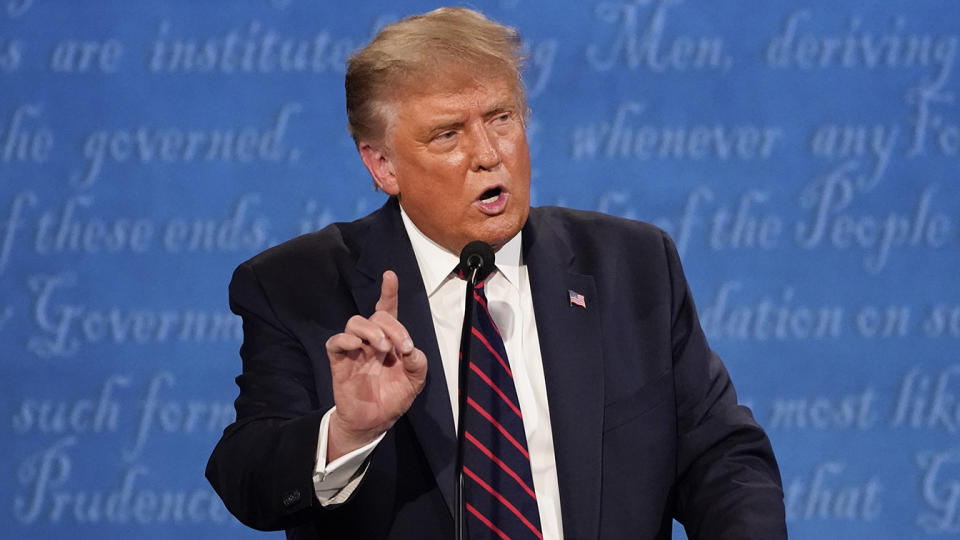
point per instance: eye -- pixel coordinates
(445, 135)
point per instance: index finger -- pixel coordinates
(388, 293)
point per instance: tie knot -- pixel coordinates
(459, 272)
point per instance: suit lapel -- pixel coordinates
(571, 347)
(388, 248)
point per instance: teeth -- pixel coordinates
(489, 200)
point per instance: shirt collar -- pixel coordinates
(437, 263)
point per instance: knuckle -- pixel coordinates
(355, 323)
(383, 319)
(337, 343)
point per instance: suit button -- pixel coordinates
(291, 498)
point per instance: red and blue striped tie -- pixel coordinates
(498, 484)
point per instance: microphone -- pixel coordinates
(476, 262)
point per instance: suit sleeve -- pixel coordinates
(728, 484)
(262, 467)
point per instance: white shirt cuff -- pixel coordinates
(336, 481)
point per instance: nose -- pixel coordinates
(486, 155)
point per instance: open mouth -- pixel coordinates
(491, 195)
(492, 201)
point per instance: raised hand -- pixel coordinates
(377, 372)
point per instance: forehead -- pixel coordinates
(445, 96)
(452, 97)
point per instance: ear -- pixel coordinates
(380, 167)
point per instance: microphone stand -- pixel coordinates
(465, 338)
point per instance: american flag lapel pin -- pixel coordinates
(577, 299)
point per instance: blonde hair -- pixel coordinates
(420, 48)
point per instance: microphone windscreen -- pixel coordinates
(477, 255)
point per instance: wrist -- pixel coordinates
(343, 439)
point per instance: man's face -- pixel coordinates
(458, 161)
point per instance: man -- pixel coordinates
(345, 420)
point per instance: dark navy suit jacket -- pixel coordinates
(645, 422)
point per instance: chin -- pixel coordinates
(500, 237)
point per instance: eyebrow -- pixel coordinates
(446, 125)
(500, 107)
(457, 122)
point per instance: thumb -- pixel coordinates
(388, 293)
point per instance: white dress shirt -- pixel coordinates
(511, 306)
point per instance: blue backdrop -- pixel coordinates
(804, 155)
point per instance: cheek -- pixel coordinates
(451, 160)
(508, 146)
(515, 150)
